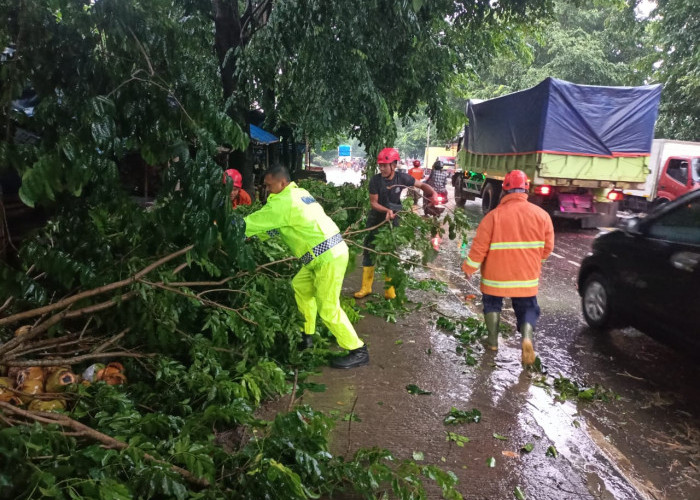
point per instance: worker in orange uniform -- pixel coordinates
(511, 244)
(238, 194)
(417, 173)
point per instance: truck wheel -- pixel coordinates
(489, 198)
(597, 302)
(460, 199)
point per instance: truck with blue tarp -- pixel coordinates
(580, 146)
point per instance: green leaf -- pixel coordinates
(499, 436)
(519, 494)
(551, 452)
(527, 447)
(491, 462)
(414, 389)
(456, 416)
(418, 455)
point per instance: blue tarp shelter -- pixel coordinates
(262, 136)
(565, 118)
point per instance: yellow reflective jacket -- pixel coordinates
(296, 216)
(511, 243)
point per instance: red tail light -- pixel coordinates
(615, 195)
(440, 199)
(543, 190)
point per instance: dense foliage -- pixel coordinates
(222, 323)
(677, 32)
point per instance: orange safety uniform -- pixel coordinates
(511, 243)
(243, 198)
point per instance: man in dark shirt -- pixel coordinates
(385, 198)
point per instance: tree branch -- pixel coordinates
(95, 291)
(81, 430)
(75, 359)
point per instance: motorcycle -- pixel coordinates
(435, 210)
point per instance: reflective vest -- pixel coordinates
(511, 243)
(296, 216)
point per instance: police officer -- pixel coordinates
(385, 198)
(293, 214)
(511, 243)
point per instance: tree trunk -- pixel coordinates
(228, 37)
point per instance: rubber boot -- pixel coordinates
(389, 293)
(492, 321)
(367, 280)
(528, 357)
(356, 357)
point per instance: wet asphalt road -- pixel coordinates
(644, 445)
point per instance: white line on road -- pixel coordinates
(557, 255)
(574, 263)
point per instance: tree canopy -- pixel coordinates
(677, 32)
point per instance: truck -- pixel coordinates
(445, 154)
(674, 169)
(580, 146)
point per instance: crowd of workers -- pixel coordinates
(510, 246)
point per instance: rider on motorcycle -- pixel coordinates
(438, 181)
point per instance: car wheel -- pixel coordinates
(489, 198)
(597, 302)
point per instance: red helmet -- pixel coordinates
(388, 155)
(416, 163)
(235, 176)
(515, 179)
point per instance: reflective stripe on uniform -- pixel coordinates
(510, 284)
(472, 263)
(511, 245)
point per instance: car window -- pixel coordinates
(696, 169)
(678, 170)
(681, 225)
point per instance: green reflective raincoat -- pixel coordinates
(303, 225)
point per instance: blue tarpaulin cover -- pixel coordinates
(565, 118)
(262, 136)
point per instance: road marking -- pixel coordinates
(574, 263)
(557, 255)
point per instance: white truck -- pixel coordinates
(674, 169)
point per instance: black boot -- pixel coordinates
(356, 357)
(307, 342)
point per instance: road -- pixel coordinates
(644, 445)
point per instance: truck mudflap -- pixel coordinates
(601, 215)
(576, 203)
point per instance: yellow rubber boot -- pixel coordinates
(367, 280)
(389, 293)
(528, 350)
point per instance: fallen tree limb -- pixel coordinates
(95, 291)
(82, 430)
(75, 359)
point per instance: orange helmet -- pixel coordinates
(388, 155)
(416, 163)
(515, 179)
(235, 176)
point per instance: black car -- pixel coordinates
(647, 275)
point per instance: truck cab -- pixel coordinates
(680, 175)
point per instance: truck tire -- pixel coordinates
(460, 199)
(490, 197)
